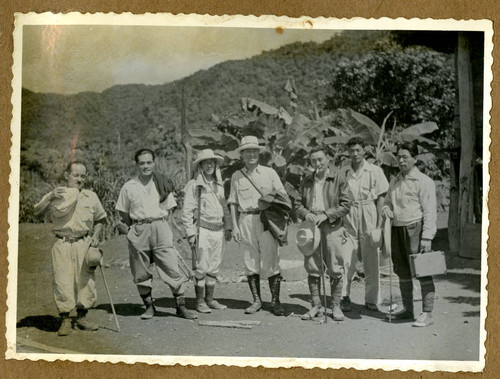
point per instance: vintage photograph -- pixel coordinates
(249, 191)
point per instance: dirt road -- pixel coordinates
(364, 333)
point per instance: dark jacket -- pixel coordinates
(275, 215)
(335, 196)
(163, 185)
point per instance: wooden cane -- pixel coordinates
(323, 270)
(110, 300)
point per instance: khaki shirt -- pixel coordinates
(413, 198)
(211, 196)
(143, 201)
(244, 194)
(368, 183)
(77, 219)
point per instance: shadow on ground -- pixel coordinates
(46, 323)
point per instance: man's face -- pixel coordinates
(208, 167)
(145, 164)
(76, 178)
(405, 161)
(356, 152)
(250, 156)
(319, 161)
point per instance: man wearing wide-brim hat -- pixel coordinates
(206, 217)
(258, 246)
(324, 201)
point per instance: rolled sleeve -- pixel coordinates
(100, 213)
(123, 202)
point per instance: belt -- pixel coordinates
(213, 226)
(71, 239)
(256, 212)
(357, 203)
(148, 220)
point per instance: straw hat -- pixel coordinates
(307, 238)
(249, 142)
(93, 257)
(207, 154)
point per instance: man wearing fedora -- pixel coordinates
(368, 185)
(77, 216)
(258, 246)
(323, 203)
(411, 204)
(206, 217)
(144, 207)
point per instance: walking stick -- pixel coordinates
(387, 248)
(323, 270)
(110, 300)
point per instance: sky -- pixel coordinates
(70, 59)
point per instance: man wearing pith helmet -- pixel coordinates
(206, 217)
(258, 246)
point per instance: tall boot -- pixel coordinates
(316, 310)
(275, 286)
(180, 305)
(82, 322)
(150, 308)
(201, 306)
(209, 298)
(336, 287)
(254, 284)
(65, 327)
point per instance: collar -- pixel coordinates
(85, 192)
(365, 166)
(414, 174)
(257, 169)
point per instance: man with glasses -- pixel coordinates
(77, 216)
(411, 204)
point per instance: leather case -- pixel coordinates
(427, 264)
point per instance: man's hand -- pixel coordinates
(320, 219)
(311, 217)
(192, 241)
(57, 193)
(237, 234)
(228, 235)
(386, 212)
(425, 245)
(94, 241)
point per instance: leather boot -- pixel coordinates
(180, 305)
(65, 327)
(316, 310)
(336, 287)
(209, 298)
(82, 322)
(275, 286)
(150, 308)
(201, 306)
(254, 284)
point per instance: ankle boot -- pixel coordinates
(201, 306)
(254, 284)
(180, 305)
(275, 286)
(82, 322)
(336, 287)
(65, 327)
(316, 310)
(209, 298)
(150, 308)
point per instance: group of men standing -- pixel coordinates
(347, 206)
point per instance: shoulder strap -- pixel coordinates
(251, 181)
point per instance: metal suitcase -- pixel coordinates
(427, 264)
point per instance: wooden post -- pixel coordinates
(185, 138)
(467, 132)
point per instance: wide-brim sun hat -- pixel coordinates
(250, 142)
(307, 238)
(206, 155)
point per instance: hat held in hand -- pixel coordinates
(307, 238)
(93, 257)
